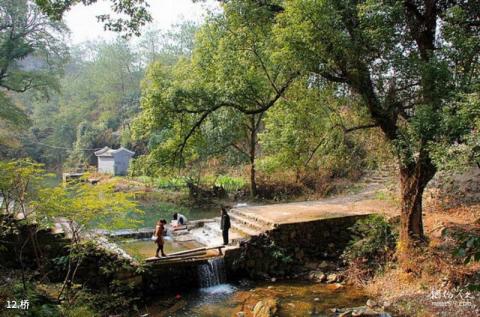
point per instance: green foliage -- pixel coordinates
(279, 253)
(19, 182)
(209, 106)
(99, 97)
(103, 289)
(467, 246)
(78, 311)
(31, 54)
(130, 15)
(87, 206)
(459, 148)
(10, 112)
(40, 305)
(230, 183)
(168, 46)
(304, 134)
(373, 239)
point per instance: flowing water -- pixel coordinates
(294, 298)
(212, 273)
(216, 298)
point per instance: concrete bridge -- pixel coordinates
(299, 231)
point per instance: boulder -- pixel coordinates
(332, 278)
(371, 303)
(317, 276)
(266, 308)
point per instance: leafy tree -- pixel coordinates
(82, 207)
(306, 133)
(133, 14)
(409, 61)
(86, 206)
(232, 71)
(19, 181)
(170, 45)
(31, 54)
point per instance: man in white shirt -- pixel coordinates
(179, 219)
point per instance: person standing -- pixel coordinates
(225, 225)
(159, 232)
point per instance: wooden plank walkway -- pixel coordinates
(187, 253)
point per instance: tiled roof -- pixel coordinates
(108, 152)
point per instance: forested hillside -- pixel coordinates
(93, 101)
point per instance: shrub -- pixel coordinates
(372, 245)
(373, 238)
(467, 243)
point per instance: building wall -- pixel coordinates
(121, 163)
(106, 165)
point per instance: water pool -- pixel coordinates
(154, 209)
(146, 248)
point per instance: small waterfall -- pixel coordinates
(212, 273)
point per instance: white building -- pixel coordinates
(113, 162)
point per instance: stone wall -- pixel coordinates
(452, 189)
(171, 278)
(280, 251)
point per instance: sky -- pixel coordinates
(82, 22)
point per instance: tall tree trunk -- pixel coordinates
(253, 145)
(253, 183)
(414, 178)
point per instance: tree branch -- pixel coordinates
(360, 127)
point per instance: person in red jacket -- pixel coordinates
(159, 232)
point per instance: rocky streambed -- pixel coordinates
(267, 299)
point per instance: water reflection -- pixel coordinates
(154, 207)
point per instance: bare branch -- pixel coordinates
(194, 128)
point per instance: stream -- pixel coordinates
(217, 298)
(294, 298)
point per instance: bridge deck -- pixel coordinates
(321, 209)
